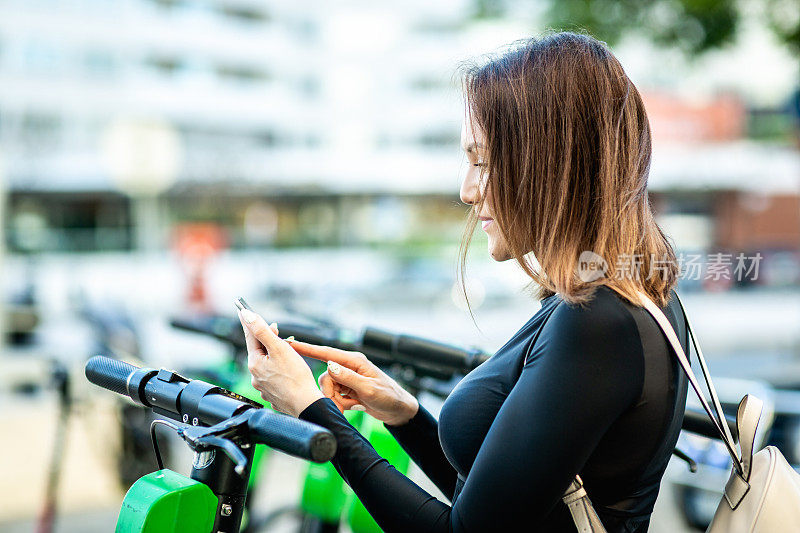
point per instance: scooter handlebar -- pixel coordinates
(697, 421)
(111, 374)
(202, 403)
(413, 350)
(293, 436)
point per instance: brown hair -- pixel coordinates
(567, 160)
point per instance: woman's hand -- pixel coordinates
(279, 373)
(353, 382)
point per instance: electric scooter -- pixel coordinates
(222, 428)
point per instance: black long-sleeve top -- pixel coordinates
(593, 390)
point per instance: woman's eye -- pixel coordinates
(479, 164)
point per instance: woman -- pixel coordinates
(559, 149)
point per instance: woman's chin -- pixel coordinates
(499, 254)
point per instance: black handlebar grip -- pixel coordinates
(290, 435)
(436, 353)
(187, 324)
(109, 373)
(695, 421)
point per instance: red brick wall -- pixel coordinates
(744, 221)
(673, 119)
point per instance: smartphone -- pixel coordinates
(241, 304)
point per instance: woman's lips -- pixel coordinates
(485, 223)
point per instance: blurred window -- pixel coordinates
(245, 14)
(164, 65)
(99, 63)
(439, 138)
(266, 138)
(167, 3)
(769, 124)
(683, 202)
(309, 85)
(313, 140)
(427, 83)
(305, 28)
(41, 56)
(40, 130)
(68, 222)
(241, 73)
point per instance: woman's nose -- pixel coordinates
(469, 191)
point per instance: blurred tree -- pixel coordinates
(783, 17)
(489, 8)
(694, 26)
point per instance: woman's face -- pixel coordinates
(472, 142)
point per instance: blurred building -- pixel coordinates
(717, 188)
(304, 123)
(256, 100)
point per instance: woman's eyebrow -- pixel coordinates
(471, 147)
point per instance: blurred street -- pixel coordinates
(746, 334)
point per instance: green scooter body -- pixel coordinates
(323, 494)
(387, 447)
(167, 502)
(326, 495)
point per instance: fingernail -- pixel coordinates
(290, 338)
(334, 368)
(358, 407)
(274, 326)
(249, 316)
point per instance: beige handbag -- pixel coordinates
(763, 492)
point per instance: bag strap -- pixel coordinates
(577, 500)
(706, 373)
(718, 420)
(581, 508)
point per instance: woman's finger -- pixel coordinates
(348, 378)
(339, 406)
(253, 345)
(331, 388)
(327, 353)
(327, 385)
(334, 391)
(344, 403)
(263, 332)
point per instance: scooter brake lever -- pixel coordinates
(229, 447)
